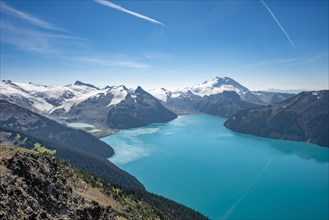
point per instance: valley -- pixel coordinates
(164, 110)
(105, 111)
(156, 136)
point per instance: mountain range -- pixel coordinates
(303, 117)
(35, 116)
(219, 85)
(86, 103)
(215, 97)
(117, 107)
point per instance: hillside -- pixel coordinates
(24, 121)
(24, 128)
(39, 186)
(303, 117)
(223, 104)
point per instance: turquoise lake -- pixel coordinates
(196, 161)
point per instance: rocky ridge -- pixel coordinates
(304, 117)
(39, 186)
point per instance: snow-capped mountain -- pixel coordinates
(80, 102)
(187, 100)
(215, 86)
(218, 85)
(49, 99)
(137, 109)
(161, 93)
(103, 107)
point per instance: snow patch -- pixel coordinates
(177, 94)
(160, 93)
(119, 94)
(80, 125)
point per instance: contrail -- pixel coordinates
(270, 11)
(246, 191)
(118, 7)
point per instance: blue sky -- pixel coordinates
(171, 44)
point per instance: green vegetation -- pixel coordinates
(43, 150)
(116, 191)
(78, 158)
(110, 200)
(150, 205)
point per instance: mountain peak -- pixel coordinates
(223, 79)
(139, 90)
(218, 85)
(142, 92)
(79, 83)
(123, 87)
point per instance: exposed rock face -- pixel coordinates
(183, 104)
(79, 83)
(34, 187)
(39, 186)
(138, 110)
(223, 104)
(303, 117)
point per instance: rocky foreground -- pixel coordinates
(40, 186)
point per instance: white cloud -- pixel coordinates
(118, 7)
(276, 20)
(27, 17)
(26, 39)
(287, 61)
(110, 61)
(30, 34)
(318, 57)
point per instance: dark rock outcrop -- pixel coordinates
(184, 103)
(303, 117)
(39, 186)
(36, 187)
(79, 83)
(138, 110)
(223, 104)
